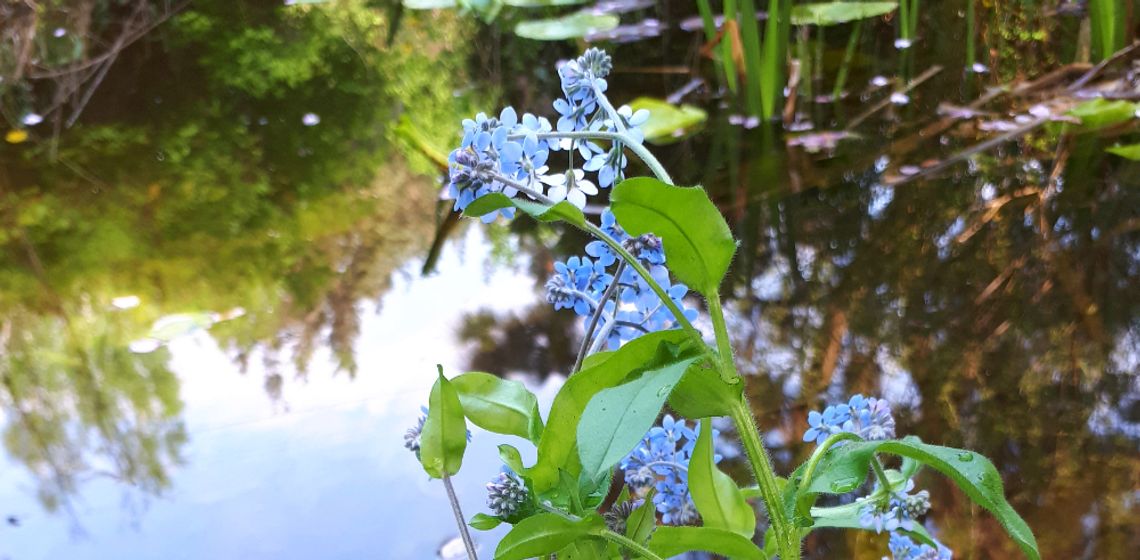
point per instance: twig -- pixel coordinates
(1096, 70)
(882, 104)
(977, 148)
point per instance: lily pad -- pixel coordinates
(667, 122)
(429, 4)
(1101, 113)
(578, 24)
(542, 3)
(833, 13)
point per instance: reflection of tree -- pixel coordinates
(195, 182)
(81, 405)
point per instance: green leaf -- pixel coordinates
(667, 122)
(572, 26)
(511, 458)
(703, 393)
(557, 447)
(585, 549)
(429, 4)
(832, 13)
(847, 517)
(715, 494)
(596, 358)
(697, 241)
(1100, 113)
(444, 437)
(499, 405)
(669, 541)
(973, 473)
(544, 533)
(561, 212)
(641, 522)
(1131, 152)
(616, 419)
(484, 522)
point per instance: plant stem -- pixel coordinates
(881, 474)
(640, 150)
(723, 345)
(622, 540)
(848, 56)
(467, 542)
(787, 538)
(598, 310)
(523, 189)
(821, 450)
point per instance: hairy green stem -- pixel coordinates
(723, 345)
(821, 450)
(622, 540)
(787, 538)
(881, 474)
(640, 150)
(467, 542)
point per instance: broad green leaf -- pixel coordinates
(499, 405)
(563, 211)
(595, 359)
(973, 473)
(511, 458)
(702, 393)
(616, 419)
(1131, 152)
(667, 122)
(544, 533)
(832, 13)
(542, 3)
(557, 448)
(572, 26)
(669, 541)
(697, 241)
(585, 549)
(429, 4)
(444, 437)
(715, 494)
(1100, 113)
(847, 517)
(484, 522)
(640, 524)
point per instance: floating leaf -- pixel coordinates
(697, 241)
(833, 13)
(974, 474)
(542, 3)
(557, 448)
(444, 437)
(1100, 113)
(544, 533)
(1131, 152)
(716, 496)
(578, 24)
(499, 405)
(429, 4)
(669, 541)
(667, 122)
(616, 419)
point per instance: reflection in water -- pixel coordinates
(250, 161)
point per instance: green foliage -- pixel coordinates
(558, 446)
(672, 541)
(545, 533)
(715, 494)
(846, 467)
(1131, 151)
(560, 212)
(617, 418)
(1101, 113)
(667, 122)
(499, 405)
(444, 437)
(697, 241)
(484, 522)
(702, 393)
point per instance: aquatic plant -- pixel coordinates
(654, 244)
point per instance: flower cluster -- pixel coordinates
(904, 548)
(895, 509)
(867, 417)
(661, 461)
(506, 494)
(412, 436)
(508, 154)
(581, 282)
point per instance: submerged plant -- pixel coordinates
(657, 247)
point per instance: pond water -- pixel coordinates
(225, 291)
